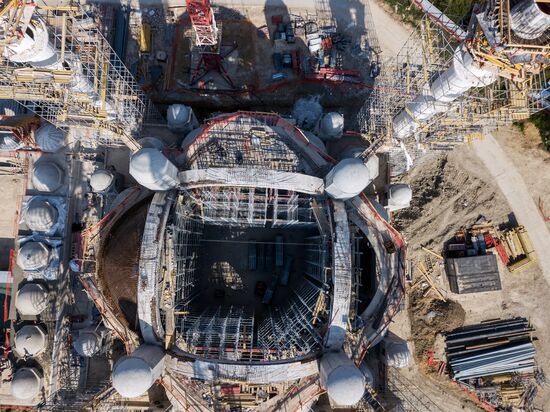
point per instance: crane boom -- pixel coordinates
(203, 21)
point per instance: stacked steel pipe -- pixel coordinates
(491, 348)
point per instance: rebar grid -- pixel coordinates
(289, 331)
(245, 142)
(113, 100)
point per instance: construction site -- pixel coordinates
(275, 205)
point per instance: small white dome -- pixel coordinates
(132, 377)
(398, 354)
(47, 176)
(307, 112)
(345, 385)
(31, 299)
(30, 340)
(49, 138)
(332, 126)
(400, 194)
(178, 114)
(87, 344)
(102, 180)
(33, 256)
(40, 215)
(9, 142)
(153, 170)
(26, 383)
(181, 118)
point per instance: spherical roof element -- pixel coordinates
(132, 376)
(350, 177)
(47, 176)
(30, 340)
(153, 170)
(31, 299)
(400, 194)
(178, 114)
(87, 344)
(40, 215)
(102, 180)
(33, 256)
(26, 383)
(332, 126)
(345, 385)
(49, 138)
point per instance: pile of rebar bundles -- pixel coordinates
(492, 348)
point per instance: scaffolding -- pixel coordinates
(254, 207)
(225, 333)
(316, 258)
(187, 234)
(426, 55)
(232, 332)
(290, 331)
(110, 101)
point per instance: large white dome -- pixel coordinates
(132, 376)
(346, 385)
(153, 170)
(40, 215)
(102, 180)
(30, 340)
(350, 177)
(31, 299)
(26, 383)
(87, 344)
(47, 176)
(33, 256)
(49, 138)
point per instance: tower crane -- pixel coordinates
(207, 39)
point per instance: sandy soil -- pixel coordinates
(451, 192)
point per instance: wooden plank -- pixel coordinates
(426, 276)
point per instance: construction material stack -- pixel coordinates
(495, 360)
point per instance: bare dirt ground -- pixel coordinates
(451, 192)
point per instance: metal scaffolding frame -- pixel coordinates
(188, 232)
(428, 53)
(245, 142)
(316, 258)
(225, 333)
(254, 207)
(114, 103)
(290, 331)
(230, 332)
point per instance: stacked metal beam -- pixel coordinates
(492, 348)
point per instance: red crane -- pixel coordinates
(203, 21)
(207, 39)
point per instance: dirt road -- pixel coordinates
(518, 196)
